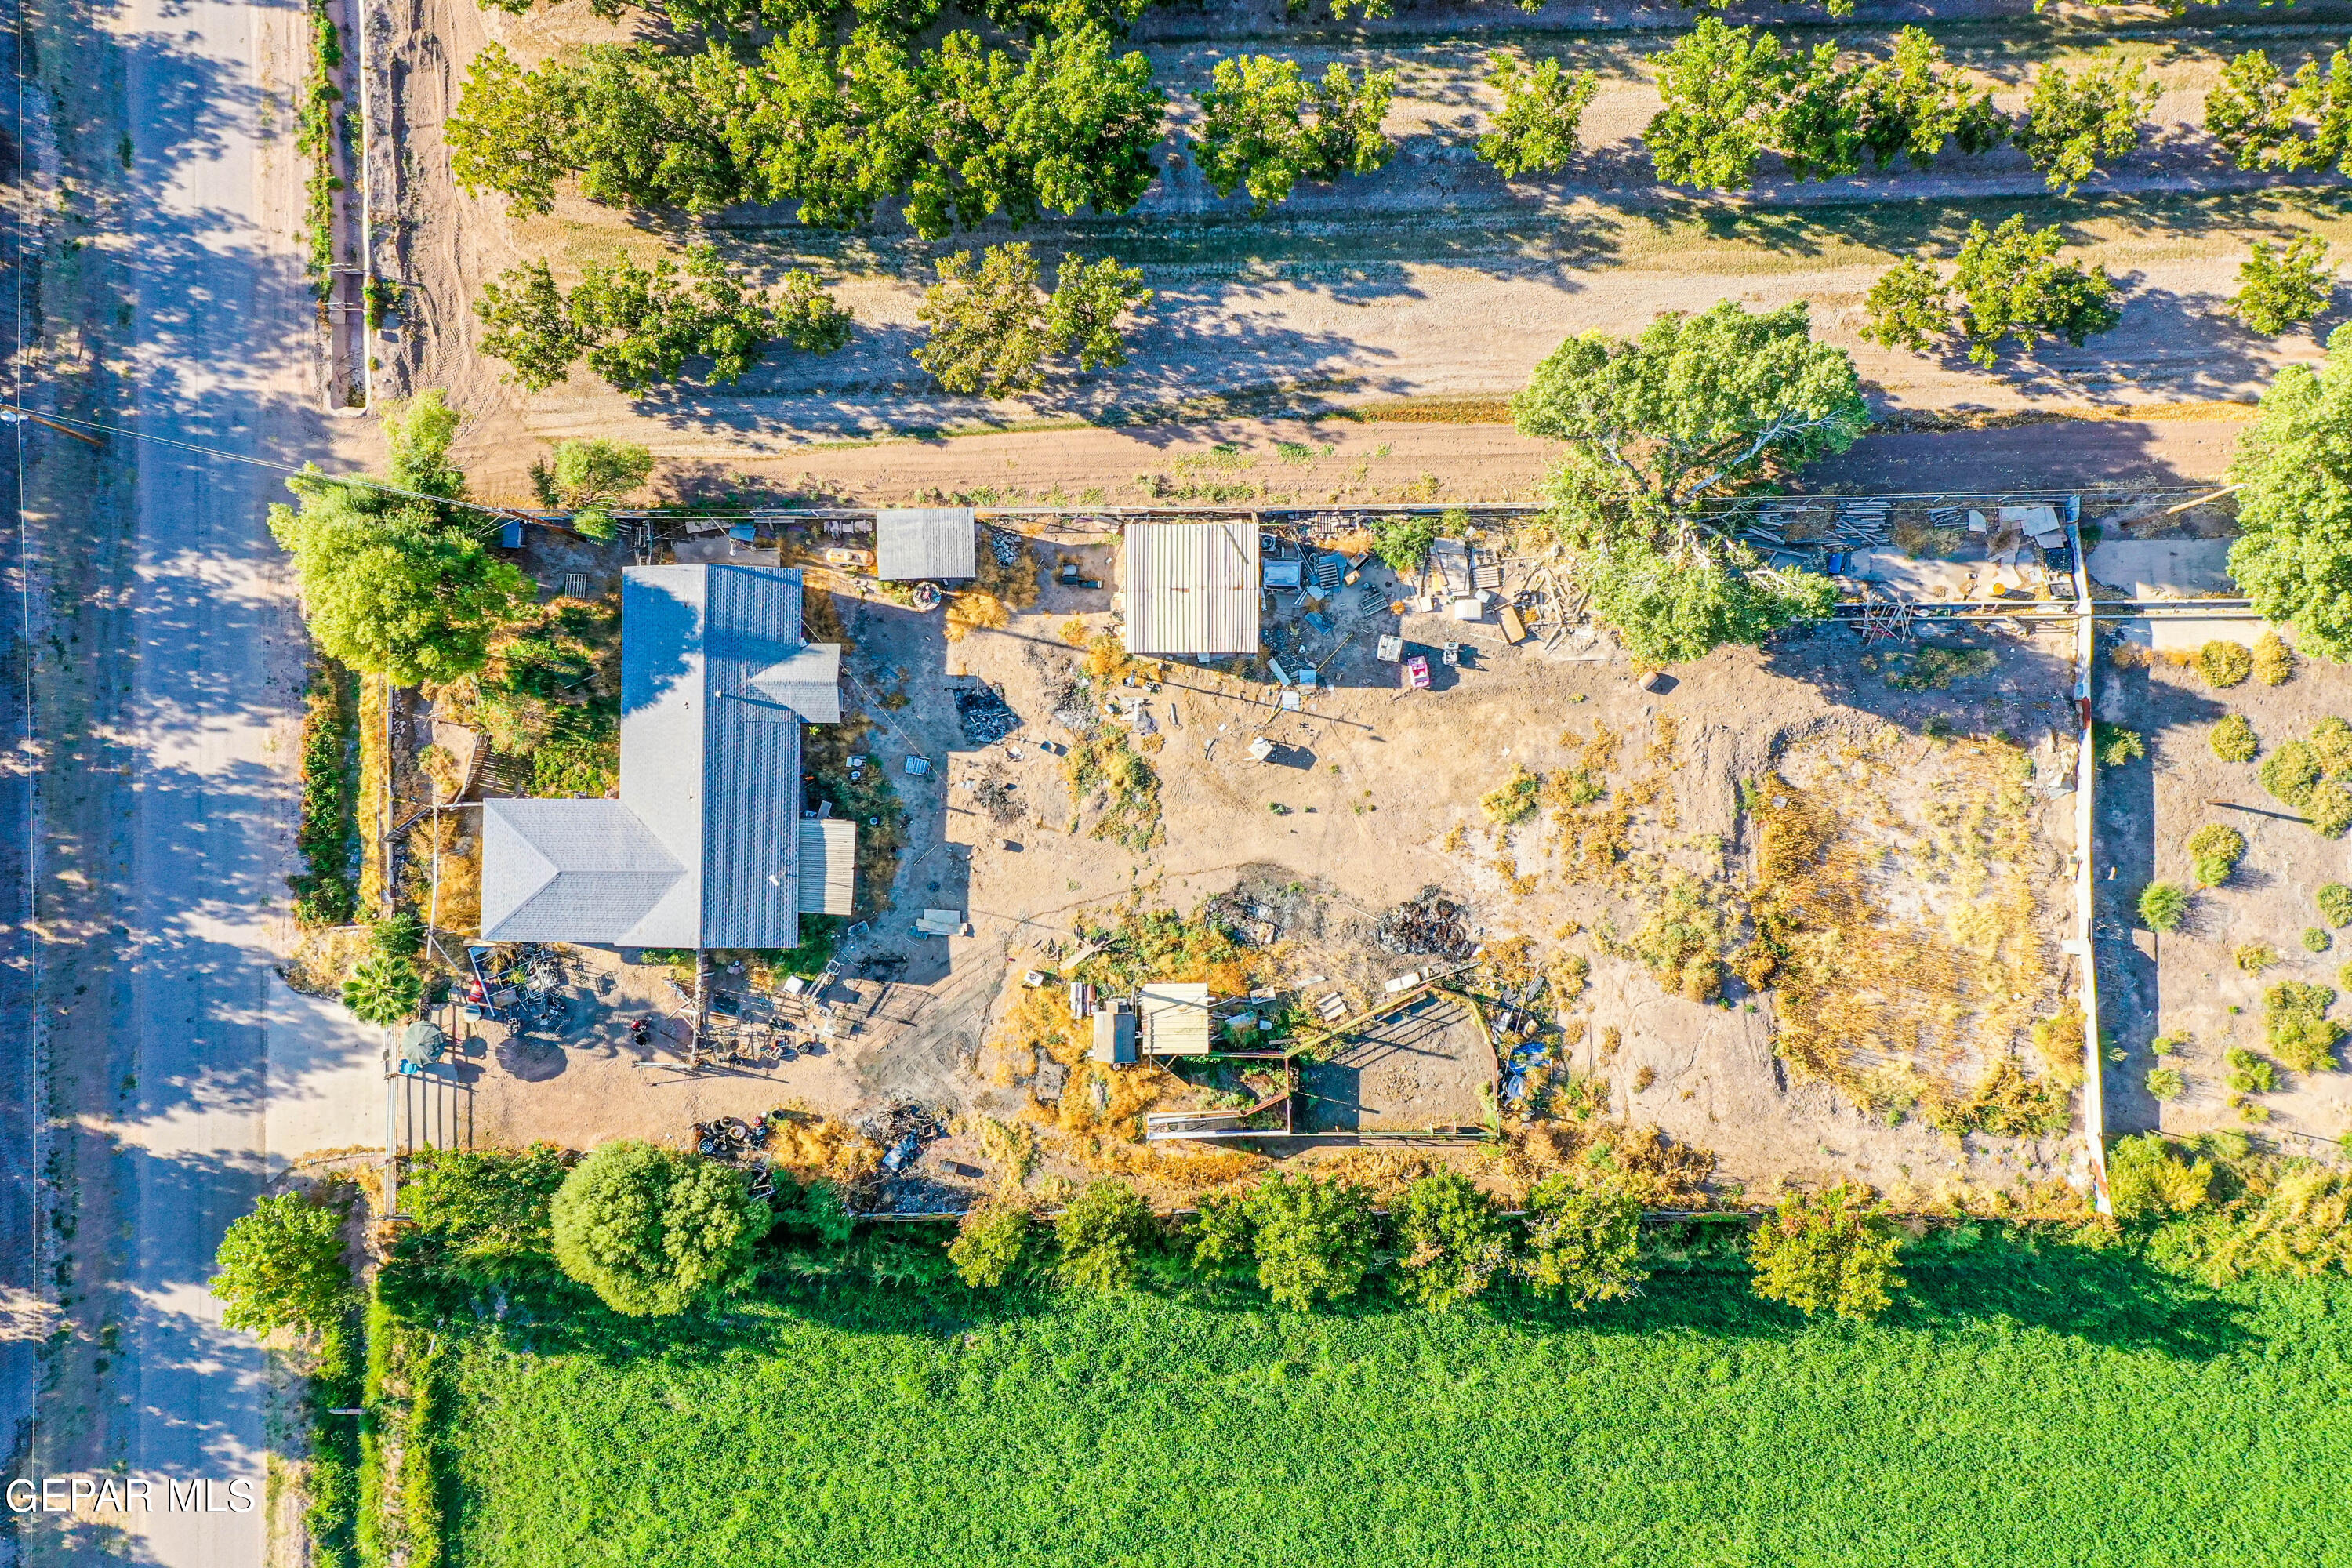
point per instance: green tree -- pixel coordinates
(481, 1216)
(1834, 1251)
(644, 323)
(2293, 556)
(530, 325)
(2284, 288)
(1697, 407)
(1456, 1241)
(1724, 89)
(832, 132)
(1265, 127)
(1582, 1245)
(1535, 132)
(1068, 126)
(2073, 125)
(1101, 1231)
(1732, 94)
(1313, 1238)
(992, 329)
(809, 319)
(387, 587)
(655, 1231)
(589, 476)
(2257, 117)
(417, 436)
(628, 120)
(2008, 284)
(384, 991)
(1222, 1236)
(281, 1266)
(990, 1245)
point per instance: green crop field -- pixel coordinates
(2057, 1406)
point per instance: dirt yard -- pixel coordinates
(2208, 993)
(1630, 887)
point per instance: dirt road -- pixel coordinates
(166, 670)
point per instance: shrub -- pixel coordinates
(281, 1266)
(2114, 746)
(1222, 1236)
(2233, 740)
(1101, 1231)
(2167, 1083)
(1455, 1241)
(2163, 906)
(2297, 1028)
(2251, 1074)
(1513, 800)
(2328, 808)
(2316, 939)
(1582, 1247)
(2168, 1045)
(1403, 542)
(1835, 1250)
(2147, 1178)
(397, 936)
(2255, 957)
(2216, 849)
(2224, 663)
(655, 1231)
(990, 1245)
(2331, 743)
(1313, 1238)
(2335, 902)
(2289, 772)
(2274, 659)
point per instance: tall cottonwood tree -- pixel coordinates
(1697, 407)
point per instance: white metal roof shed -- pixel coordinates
(1175, 1018)
(939, 541)
(1191, 588)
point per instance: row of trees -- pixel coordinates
(1733, 94)
(655, 1232)
(638, 326)
(962, 133)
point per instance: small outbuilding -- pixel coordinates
(1175, 1018)
(1191, 588)
(937, 542)
(1115, 1034)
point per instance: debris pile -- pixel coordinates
(1431, 923)
(902, 1126)
(1006, 546)
(985, 716)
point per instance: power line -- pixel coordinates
(306, 471)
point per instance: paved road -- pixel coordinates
(166, 691)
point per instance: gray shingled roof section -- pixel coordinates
(1191, 588)
(573, 870)
(807, 682)
(926, 541)
(703, 848)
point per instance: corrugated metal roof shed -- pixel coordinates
(1191, 588)
(1115, 1037)
(1175, 1018)
(829, 866)
(926, 541)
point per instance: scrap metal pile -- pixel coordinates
(517, 986)
(902, 1126)
(985, 716)
(1431, 923)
